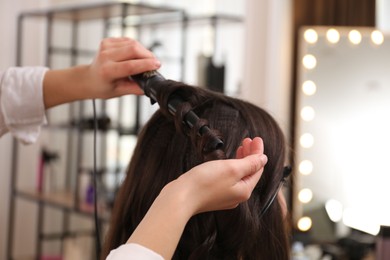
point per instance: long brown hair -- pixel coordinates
(166, 149)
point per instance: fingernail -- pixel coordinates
(264, 159)
(158, 63)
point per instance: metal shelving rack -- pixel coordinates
(68, 201)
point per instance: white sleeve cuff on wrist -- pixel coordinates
(22, 102)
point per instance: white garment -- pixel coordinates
(22, 109)
(133, 251)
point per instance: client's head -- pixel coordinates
(166, 149)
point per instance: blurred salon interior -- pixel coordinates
(321, 68)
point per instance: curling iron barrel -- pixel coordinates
(149, 82)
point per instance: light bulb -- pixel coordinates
(309, 61)
(377, 37)
(304, 223)
(306, 140)
(333, 36)
(307, 113)
(309, 87)
(310, 36)
(305, 195)
(355, 37)
(306, 167)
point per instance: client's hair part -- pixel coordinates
(166, 149)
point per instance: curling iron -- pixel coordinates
(149, 82)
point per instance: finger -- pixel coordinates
(117, 70)
(257, 146)
(118, 39)
(114, 42)
(127, 52)
(239, 153)
(246, 144)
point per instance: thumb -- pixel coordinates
(251, 164)
(252, 171)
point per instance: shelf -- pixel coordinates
(71, 51)
(100, 11)
(152, 20)
(220, 18)
(91, 53)
(151, 15)
(62, 200)
(119, 130)
(112, 18)
(25, 258)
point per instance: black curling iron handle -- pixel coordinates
(190, 119)
(148, 81)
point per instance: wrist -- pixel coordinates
(177, 195)
(65, 85)
(81, 78)
(162, 226)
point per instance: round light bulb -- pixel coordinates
(310, 36)
(309, 87)
(333, 36)
(304, 223)
(305, 195)
(306, 140)
(307, 113)
(377, 37)
(309, 61)
(306, 167)
(355, 37)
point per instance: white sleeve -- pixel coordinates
(22, 110)
(133, 251)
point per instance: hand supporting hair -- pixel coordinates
(215, 185)
(167, 148)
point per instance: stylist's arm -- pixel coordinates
(105, 77)
(26, 92)
(215, 185)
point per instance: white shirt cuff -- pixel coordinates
(133, 251)
(22, 102)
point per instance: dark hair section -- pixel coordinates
(166, 148)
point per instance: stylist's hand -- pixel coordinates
(116, 59)
(223, 184)
(214, 185)
(105, 77)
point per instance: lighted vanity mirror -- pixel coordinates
(342, 152)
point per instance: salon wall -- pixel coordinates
(267, 76)
(8, 14)
(264, 77)
(382, 15)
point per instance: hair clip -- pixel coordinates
(286, 172)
